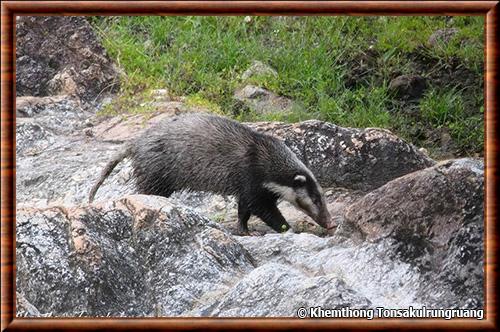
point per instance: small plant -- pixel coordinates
(219, 218)
(442, 108)
(197, 100)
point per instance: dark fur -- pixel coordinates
(203, 152)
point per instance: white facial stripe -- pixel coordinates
(284, 192)
(307, 201)
(291, 195)
(300, 178)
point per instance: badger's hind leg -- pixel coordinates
(157, 184)
(164, 191)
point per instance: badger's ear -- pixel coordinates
(299, 180)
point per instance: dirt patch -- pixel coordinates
(363, 67)
(445, 74)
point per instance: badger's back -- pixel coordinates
(192, 151)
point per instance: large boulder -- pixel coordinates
(152, 256)
(144, 256)
(436, 202)
(61, 55)
(435, 219)
(256, 294)
(352, 158)
(138, 256)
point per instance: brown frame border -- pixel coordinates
(9, 9)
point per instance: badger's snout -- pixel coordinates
(307, 195)
(326, 221)
(323, 218)
(317, 211)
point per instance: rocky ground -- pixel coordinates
(409, 230)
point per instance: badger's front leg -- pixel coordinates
(243, 216)
(267, 210)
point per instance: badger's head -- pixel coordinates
(303, 191)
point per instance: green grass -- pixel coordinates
(203, 58)
(442, 108)
(199, 101)
(446, 109)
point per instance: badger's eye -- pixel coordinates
(299, 180)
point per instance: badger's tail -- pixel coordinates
(107, 170)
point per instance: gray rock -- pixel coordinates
(364, 267)
(461, 275)
(435, 217)
(276, 290)
(62, 114)
(438, 201)
(32, 138)
(408, 86)
(143, 256)
(61, 55)
(442, 36)
(138, 256)
(360, 159)
(24, 308)
(262, 101)
(30, 106)
(64, 173)
(151, 256)
(258, 69)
